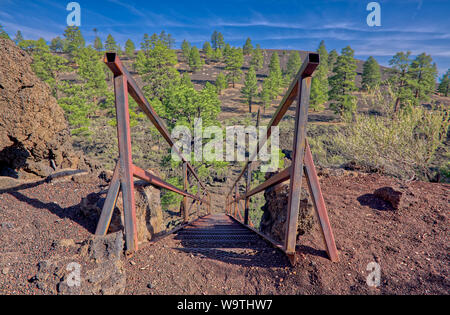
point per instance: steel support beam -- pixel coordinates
(301, 120)
(236, 196)
(319, 205)
(185, 187)
(309, 66)
(114, 63)
(274, 180)
(110, 203)
(247, 199)
(198, 194)
(126, 162)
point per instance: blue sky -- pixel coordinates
(415, 25)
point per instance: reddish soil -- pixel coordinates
(33, 217)
(411, 245)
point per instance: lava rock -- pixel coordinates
(34, 134)
(390, 195)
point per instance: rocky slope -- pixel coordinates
(34, 135)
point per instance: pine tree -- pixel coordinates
(146, 44)
(293, 66)
(217, 41)
(77, 109)
(195, 62)
(257, 58)
(234, 62)
(343, 84)
(19, 37)
(266, 95)
(214, 40)
(221, 83)
(3, 33)
(186, 49)
(208, 105)
(98, 45)
(119, 50)
(208, 51)
(332, 58)
(371, 76)
(157, 70)
(74, 40)
(28, 45)
(46, 65)
(218, 56)
(250, 88)
(130, 48)
(401, 81)
(444, 86)
(139, 64)
(248, 47)
(424, 73)
(57, 44)
(153, 40)
(166, 39)
(319, 86)
(275, 75)
(170, 41)
(90, 69)
(227, 50)
(186, 80)
(111, 44)
(203, 104)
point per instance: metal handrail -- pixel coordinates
(302, 162)
(114, 63)
(307, 70)
(125, 170)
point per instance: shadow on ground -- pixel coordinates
(73, 213)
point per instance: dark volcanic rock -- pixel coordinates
(149, 215)
(97, 267)
(390, 195)
(273, 221)
(34, 135)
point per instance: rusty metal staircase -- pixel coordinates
(232, 230)
(217, 231)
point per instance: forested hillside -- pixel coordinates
(390, 120)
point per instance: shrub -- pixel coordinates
(402, 144)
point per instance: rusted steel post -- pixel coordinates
(319, 205)
(126, 162)
(209, 203)
(303, 96)
(198, 193)
(249, 176)
(185, 187)
(247, 189)
(236, 200)
(110, 203)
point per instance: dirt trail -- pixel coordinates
(411, 245)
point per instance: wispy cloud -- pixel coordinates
(129, 7)
(32, 32)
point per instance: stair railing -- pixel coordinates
(302, 162)
(126, 171)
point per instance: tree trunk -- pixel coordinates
(397, 105)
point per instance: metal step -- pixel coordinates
(218, 232)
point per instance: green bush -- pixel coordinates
(402, 145)
(169, 198)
